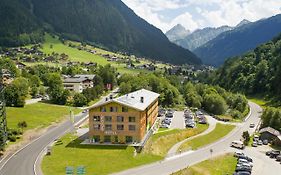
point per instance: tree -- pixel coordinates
(125, 88)
(22, 125)
(79, 100)
(214, 103)
(246, 137)
(16, 92)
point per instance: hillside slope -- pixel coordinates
(257, 72)
(239, 40)
(106, 23)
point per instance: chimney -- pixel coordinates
(141, 99)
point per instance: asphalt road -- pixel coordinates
(173, 164)
(22, 162)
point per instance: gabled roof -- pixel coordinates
(270, 130)
(78, 78)
(132, 100)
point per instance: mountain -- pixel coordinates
(177, 32)
(239, 40)
(105, 23)
(200, 37)
(256, 72)
(243, 22)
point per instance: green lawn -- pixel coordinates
(160, 143)
(216, 166)
(96, 159)
(37, 115)
(220, 131)
(83, 56)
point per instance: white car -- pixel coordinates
(244, 161)
(238, 153)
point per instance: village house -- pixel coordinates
(78, 83)
(124, 120)
(271, 135)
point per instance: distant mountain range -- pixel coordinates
(200, 37)
(239, 40)
(105, 23)
(177, 32)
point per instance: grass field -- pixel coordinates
(96, 159)
(216, 166)
(83, 56)
(160, 143)
(37, 115)
(220, 131)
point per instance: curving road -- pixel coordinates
(171, 165)
(23, 161)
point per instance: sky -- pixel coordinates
(195, 14)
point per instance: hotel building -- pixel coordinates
(125, 119)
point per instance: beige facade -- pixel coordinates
(112, 122)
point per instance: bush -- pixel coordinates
(12, 138)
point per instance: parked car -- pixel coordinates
(237, 144)
(274, 154)
(242, 173)
(265, 142)
(246, 158)
(202, 121)
(238, 153)
(256, 138)
(278, 158)
(246, 162)
(268, 153)
(164, 125)
(260, 142)
(190, 125)
(243, 168)
(252, 125)
(254, 144)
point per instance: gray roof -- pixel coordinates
(77, 78)
(270, 130)
(133, 100)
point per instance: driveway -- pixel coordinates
(178, 121)
(32, 101)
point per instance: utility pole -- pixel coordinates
(3, 121)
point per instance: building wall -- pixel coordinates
(142, 119)
(76, 87)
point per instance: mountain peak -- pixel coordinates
(243, 22)
(177, 32)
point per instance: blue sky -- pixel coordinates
(194, 14)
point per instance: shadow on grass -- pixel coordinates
(76, 143)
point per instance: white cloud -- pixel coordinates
(203, 13)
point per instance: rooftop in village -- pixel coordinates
(138, 100)
(78, 78)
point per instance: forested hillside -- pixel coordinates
(257, 72)
(105, 23)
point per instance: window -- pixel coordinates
(96, 127)
(132, 119)
(120, 127)
(125, 109)
(129, 139)
(108, 127)
(132, 127)
(107, 138)
(102, 109)
(120, 119)
(108, 118)
(113, 109)
(96, 118)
